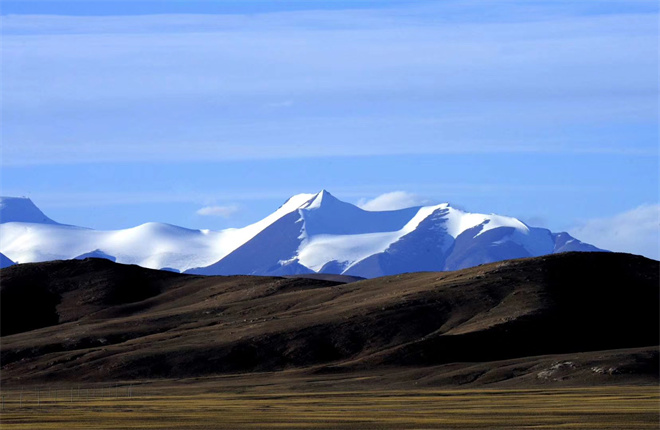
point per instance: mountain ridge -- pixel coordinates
(309, 233)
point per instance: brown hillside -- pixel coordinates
(97, 320)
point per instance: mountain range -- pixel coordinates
(309, 233)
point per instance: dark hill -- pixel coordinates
(38, 295)
(104, 321)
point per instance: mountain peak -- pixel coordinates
(21, 209)
(322, 199)
(314, 201)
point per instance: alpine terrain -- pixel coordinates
(309, 233)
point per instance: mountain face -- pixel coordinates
(4, 261)
(326, 235)
(310, 233)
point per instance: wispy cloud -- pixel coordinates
(220, 211)
(636, 231)
(391, 201)
(431, 79)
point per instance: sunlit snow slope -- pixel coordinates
(152, 245)
(309, 233)
(326, 235)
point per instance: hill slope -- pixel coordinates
(109, 321)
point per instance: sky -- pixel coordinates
(210, 114)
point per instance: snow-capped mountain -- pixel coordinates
(24, 238)
(309, 233)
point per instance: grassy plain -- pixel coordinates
(624, 407)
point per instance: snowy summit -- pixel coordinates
(309, 233)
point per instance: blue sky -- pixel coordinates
(117, 113)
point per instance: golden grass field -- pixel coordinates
(569, 408)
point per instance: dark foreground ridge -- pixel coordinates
(575, 317)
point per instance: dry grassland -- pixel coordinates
(574, 408)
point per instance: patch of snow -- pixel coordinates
(317, 250)
(458, 221)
